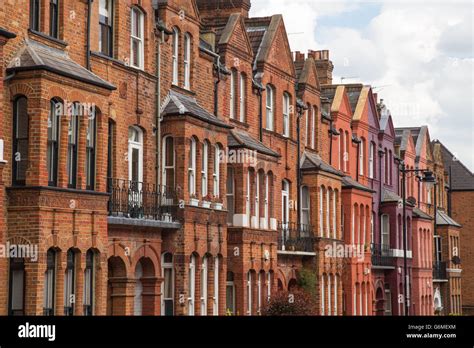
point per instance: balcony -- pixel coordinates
(382, 256)
(439, 271)
(139, 201)
(294, 238)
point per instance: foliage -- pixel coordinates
(307, 280)
(296, 302)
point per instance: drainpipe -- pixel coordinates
(161, 35)
(381, 154)
(330, 142)
(88, 43)
(216, 86)
(358, 160)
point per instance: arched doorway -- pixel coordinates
(116, 286)
(379, 302)
(145, 291)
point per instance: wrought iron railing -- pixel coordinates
(439, 270)
(139, 200)
(295, 237)
(381, 255)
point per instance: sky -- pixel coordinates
(418, 56)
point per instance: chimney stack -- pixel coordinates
(323, 65)
(299, 57)
(212, 9)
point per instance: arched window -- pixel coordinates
(192, 167)
(260, 280)
(16, 299)
(334, 214)
(233, 93)
(135, 154)
(20, 140)
(329, 294)
(70, 283)
(106, 27)
(269, 108)
(167, 286)
(137, 38)
(54, 18)
(175, 52)
(286, 114)
(230, 293)
(49, 283)
(285, 204)
(243, 96)
(305, 210)
(216, 286)
(52, 155)
(346, 151)
(230, 195)
(336, 281)
(192, 285)
(257, 199)
(138, 303)
(266, 203)
(328, 216)
(386, 166)
(217, 171)
(249, 293)
(169, 157)
(73, 142)
(247, 198)
(390, 163)
(323, 291)
(321, 211)
(306, 124)
(341, 149)
(204, 168)
(204, 278)
(187, 61)
(89, 290)
(372, 160)
(35, 14)
(91, 151)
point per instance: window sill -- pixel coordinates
(41, 35)
(238, 122)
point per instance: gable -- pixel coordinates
(373, 116)
(309, 75)
(410, 148)
(275, 48)
(390, 129)
(235, 34)
(424, 148)
(341, 103)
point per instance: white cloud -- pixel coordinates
(419, 52)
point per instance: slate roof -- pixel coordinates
(328, 92)
(461, 178)
(179, 104)
(418, 133)
(417, 212)
(37, 56)
(348, 182)
(256, 30)
(443, 219)
(353, 93)
(240, 139)
(313, 161)
(390, 196)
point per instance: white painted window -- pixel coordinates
(217, 170)
(175, 51)
(361, 157)
(269, 108)
(192, 285)
(306, 130)
(187, 61)
(216, 286)
(363, 226)
(323, 291)
(167, 286)
(353, 224)
(334, 215)
(328, 216)
(286, 114)
(204, 277)
(336, 280)
(192, 167)
(305, 211)
(269, 285)
(137, 49)
(371, 160)
(138, 306)
(321, 204)
(329, 295)
(230, 293)
(313, 125)
(242, 97)
(346, 150)
(385, 230)
(266, 203)
(204, 168)
(169, 158)
(259, 291)
(372, 228)
(354, 311)
(366, 299)
(230, 195)
(135, 154)
(249, 293)
(247, 199)
(233, 81)
(285, 203)
(257, 199)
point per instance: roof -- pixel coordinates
(256, 30)
(353, 93)
(313, 161)
(419, 135)
(443, 219)
(461, 178)
(349, 183)
(390, 196)
(179, 104)
(37, 56)
(240, 139)
(418, 213)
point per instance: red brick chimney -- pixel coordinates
(299, 57)
(323, 65)
(210, 9)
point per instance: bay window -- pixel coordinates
(53, 140)
(89, 283)
(90, 153)
(305, 211)
(16, 299)
(204, 278)
(361, 157)
(20, 140)
(242, 96)
(230, 293)
(286, 114)
(269, 108)
(70, 283)
(73, 134)
(204, 168)
(49, 289)
(230, 196)
(169, 158)
(137, 48)
(371, 160)
(233, 82)
(217, 170)
(191, 285)
(187, 61)
(192, 167)
(167, 286)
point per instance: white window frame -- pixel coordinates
(313, 126)
(329, 295)
(335, 312)
(167, 266)
(285, 203)
(249, 293)
(334, 214)
(217, 171)
(364, 224)
(216, 286)
(167, 167)
(305, 210)
(247, 199)
(323, 291)
(286, 114)
(270, 108)
(242, 97)
(192, 285)
(139, 38)
(328, 216)
(385, 229)
(187, 61)
(353, 224)
(371, 160)
(269, 286)
(346, 152)
(306, 117)
(321, 211)
(204, 285)
(233, 92)
(138, 145)
(361, 157)
(267, 200)
(204, 168)
(230, 192)
(259, 293)
(175, 56)
(192, 168)
(257, 198)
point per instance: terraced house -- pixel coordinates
(175, 157)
